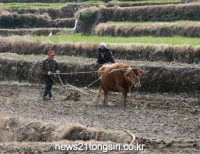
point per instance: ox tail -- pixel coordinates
(132, 136)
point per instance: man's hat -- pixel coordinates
(51, 52)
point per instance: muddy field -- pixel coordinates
(164, 123)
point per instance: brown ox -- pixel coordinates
(118, 77)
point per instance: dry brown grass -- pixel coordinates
(80, 132)
(19, 129)
(9, 55)
(89, 47)
(1, 8)
(2, 11)
(189, 29)
(190, 1)
(121, 51)
(169, 12)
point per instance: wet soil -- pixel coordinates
(164, 122)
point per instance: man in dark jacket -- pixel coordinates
(104, 54)
(49, 66)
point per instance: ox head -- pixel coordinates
(132, 75)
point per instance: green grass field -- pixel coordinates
(33, 5)
(58, 5)
(80, 37)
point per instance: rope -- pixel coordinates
(89, 72)
(86, 72)
(105, 75)
(76, 72)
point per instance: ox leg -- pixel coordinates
(105, 101)
(100, 87)
(125, 97)
(121, 89)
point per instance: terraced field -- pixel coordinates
(163, 113)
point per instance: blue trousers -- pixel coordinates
(49, 83)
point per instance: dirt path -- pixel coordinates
(169, 118)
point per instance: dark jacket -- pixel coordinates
(108, 56)
(48, 65)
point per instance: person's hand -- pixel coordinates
(57, 71)
(50, 73)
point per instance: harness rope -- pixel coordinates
(76, 72)
(113, 70)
